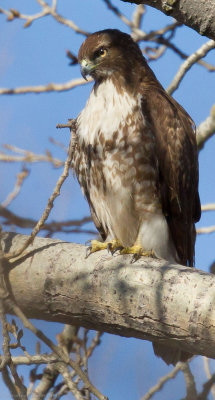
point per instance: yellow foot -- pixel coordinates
(137, 252)
(95, 245)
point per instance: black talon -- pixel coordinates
(88, 252)
(119, 248)
(109, 248)
(135, 257)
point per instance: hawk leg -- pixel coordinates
(96, 245)
(137, 251)
(114, 245)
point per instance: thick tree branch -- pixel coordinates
(198, 15)
(150, 299)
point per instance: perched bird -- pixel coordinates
(136, 158)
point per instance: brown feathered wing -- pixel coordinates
(177, 159)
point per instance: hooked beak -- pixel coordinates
(86, 68)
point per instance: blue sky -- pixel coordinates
(37, 55)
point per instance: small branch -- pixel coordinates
(18, 387)
(6, 339)
(9, 383)
(118, 13)
(206, 388)
(70, 226)
(184, 12)
(208, 207)
(180, 53)
(207, 229)
(51, 372)
(71, 385)
(46, 10)
(27, 156)
(32, 360)
(190, 61)
(59, 18)
(51, 87)
(208, 374)
(95, 342)
(154, 53)
(47, 381)
(137, 16)
(156, 34)
(190, 382)
(51, 200)
(18, 312)
(206, 129)
(21, 176)
(155, 389)
(85, 360)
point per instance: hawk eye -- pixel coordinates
(100, 52)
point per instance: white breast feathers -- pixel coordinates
(106, 108)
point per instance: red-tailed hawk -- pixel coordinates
(136, 158)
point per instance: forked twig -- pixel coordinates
(51, 200)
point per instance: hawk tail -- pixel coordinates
(169, 354)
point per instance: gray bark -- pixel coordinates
(197, 14)
(149, 299)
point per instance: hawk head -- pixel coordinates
(105, 52)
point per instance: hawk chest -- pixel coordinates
(116, 144)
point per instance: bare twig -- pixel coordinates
(51, 87)
(6, 339)
(118, 13)
(70, 226)
(85, 360)
(68, 337)
(21, 176)
(138, 15)
(47, 381)
(180, 53)
(208, 207)
(9, 383)
(46, 10)
(190, 61)
(190, 382)
(28, 156)
(153, 53)
(158, 33)
(206, 388)
(18, 390)
(59, 18)
(208, 374)
(51, 200)
(35, 359)
(69, 382)
(56, 349)
(58, 144)
(206, 129)
(162, 382)
(207, 229)
(95, 342)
